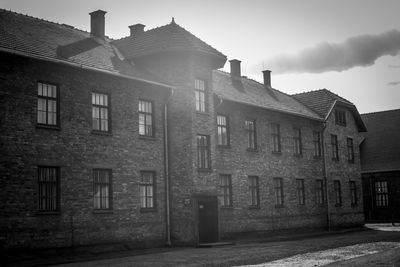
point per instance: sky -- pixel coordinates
(351, 47)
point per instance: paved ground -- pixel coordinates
(255, 250)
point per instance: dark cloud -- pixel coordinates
(394, 83)
(356, 51)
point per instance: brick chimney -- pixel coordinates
(235, 68)
(267, 78)
(97, 23)
(137, 29)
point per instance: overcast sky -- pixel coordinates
(351, 47)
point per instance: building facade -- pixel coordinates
(144, 140)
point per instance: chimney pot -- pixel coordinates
(235, 68)
(136, 29)
(97, 23)
(267, 78)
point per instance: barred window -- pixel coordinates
(353, 193)
(350, 150)
(47, 104)
(225, 184)
(147, 190)
(100, 112)
(222, 130)
(317, 143)
(298, 150)
(276, 137)
(319, 191)
(102, 193)
(254, 191)
(203, 152)
(338, 193)
(48, 188)
(335, 148)
(381, 194)
(146, 118)
(300, 191)
(278, 184)
(251, 134)
(200, 95)
(340, 117)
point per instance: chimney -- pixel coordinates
(137, 29)
(97, 23)
(235, 68)
(267, 78)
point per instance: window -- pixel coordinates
(319, 192)
(300, 191)
(254, 191)
(251, 134)
(146, 118)
(200, 95)
(297, 141)
(225, 184)
(48, 188)
(338, 193)
(381, 194)
(353, 193)
(335, 149)
(350, 150)
(222, 130)
(276, 137)
(147, 190)
(102, 193)
(278, 184)
(317, 143)
(100, 112)
(203, 152)
(340, 117)
(47, 104)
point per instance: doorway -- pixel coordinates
(208, 219)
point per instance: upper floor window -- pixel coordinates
(200, 95)
(300, 191)
(276, 137)
(381, 194)
(251, 134)
(100, 112)
(47, 104)
(317, 143)
(254, 191)
(222, 130)
(102, 193)
(278, 186)
(48, 188)
(340, 117)
(146, 118)
(350, 150)
(319, 192)
(225, 184)
(335, 148)
(298, 150)
(338, 193)
(147, 190)
(203, 152)
(353, 193)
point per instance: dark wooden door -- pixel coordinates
(208, 220)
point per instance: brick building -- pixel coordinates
(143, 139)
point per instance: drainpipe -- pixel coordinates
(328, 211)
(166, 171)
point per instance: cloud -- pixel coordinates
(394, 66)
(356, 51)
(393, 83)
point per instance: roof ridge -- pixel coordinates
(48, 21)
(381, 111)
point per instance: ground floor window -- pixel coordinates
(381, 194)
(48, 188)
(147, 186)
(225, 184)
(254, 191)
(102, 193)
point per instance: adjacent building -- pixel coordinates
(143, 139)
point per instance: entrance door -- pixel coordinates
(208, 220)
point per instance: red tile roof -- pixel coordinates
(170, 37)
(47, 40)
(381, 148)
(250, 92)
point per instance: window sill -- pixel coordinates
(298, 155)
(254, 207)
(146, 210)
(317, 157)
(338, 205)
(48, 127)
(279, 206)
(149, 138)
(227, 207)
(224, 147)
(48, 213)
(277, 153)
(252, 150)
(354, 205)
(95, 132)
(102, 211)
(204, 170)
(335, 159)
(351, 161)
(203, 113)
